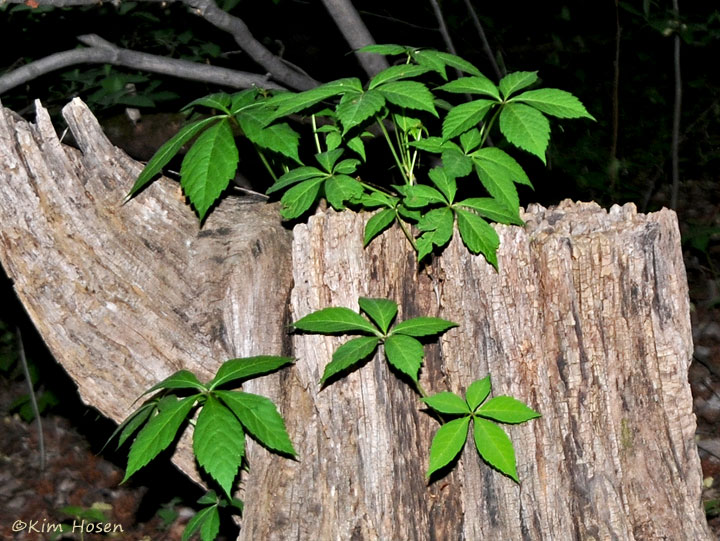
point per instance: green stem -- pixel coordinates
(420, 390)
(401, 150)
(392, 149)
(405, 231)
(265, 163)
(315, 134)
(488, 126)
(374, 188)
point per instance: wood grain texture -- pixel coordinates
(587, 321)
(125, 295)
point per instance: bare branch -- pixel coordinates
(208, 10)
(101, 51)
(356, 33)
(677, 106)
(443, 27)
(50, 63)
(486, 45)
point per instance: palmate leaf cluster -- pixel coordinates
(224, 418)
(402, 349)
(491, 442)
(405, 353)
(403, 104)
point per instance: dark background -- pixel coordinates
(571, 44)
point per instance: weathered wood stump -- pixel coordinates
(587, 321)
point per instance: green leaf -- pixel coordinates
(294, 103)
(333, 140)
(507, 409)
(429, 144)
(388, 49)
(470, 140)
(219, 443)
(465, 116)
(437, 226)
(356, 107)
(408, 214)
(132, 423)
(455, 162)
(329, 158)
(182, 379)
(219, 101)
(298, 199)
(376, 199)
(253, 118)
(404, 353)
(260, 418)
(377, 224)
(207, 521)
(458, 63)
(444, 182)
(498, 163)
(498, 184)
(296, 175)
(347, 167)
(356, 145)
(472, 85)
(554, 102)
(246, 367)
(241, 100)
(280, 138)
(526, 128)
(335, 320)
(341, 188)
(166, 152)
(495, 447)
(350, 353)
(490, 208)
(423, 326)
(421, 195)
(513, 82)
(478, 235)
(381, 311)
(478, 391)
(158, 433)
(394, 73)
(208, 166)
(447, 443)
(209, 498)
(447, 402)
(431, 59)
(408, 124)
(409, 94)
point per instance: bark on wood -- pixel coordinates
(125, 295)
(587, 321)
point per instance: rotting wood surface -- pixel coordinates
(587, 321)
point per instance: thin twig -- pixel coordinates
(613, 165)
(353, 29)
(101, 51)
(443, 27)
(677, 106)
(236, 27)
(33, 402)
(499, 73)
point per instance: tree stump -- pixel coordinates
(587, 321)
